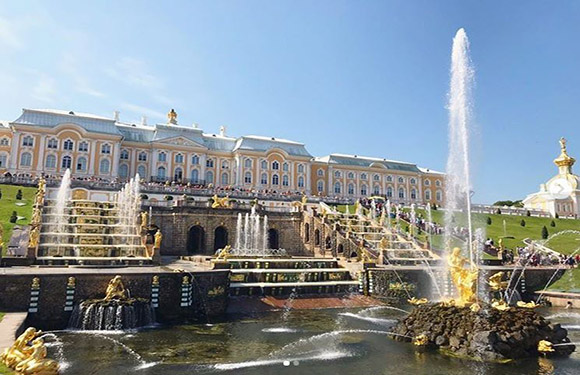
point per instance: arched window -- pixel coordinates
(209, 177)
(363, 176)
(363, 190)
(106, 149)
(50, 162)
(123, 170)
(3, 161)
(389, 192)
(413, 194)
(52, 144)
(66, 162)
(285, 180)
(300, 168)
(248, 178)
(275, 179)
(142, 156)
(4, 142)
(194, 176)
(376, 190)
(427, 182)
(225, 178)
(350, 175)
(161, 172)
(68, 145)
(28, 141)
(178, 174)
(320, 172)
(195, 160)
(162, 156)
(275, 165)
(225, 164)
(301, 181)
(401, 193)
(401, 180)
(320, 186)
(83, 146)
(105, 166)
(413, 181)
(264, 164)
(264, 179)
(82, 164)
(427, 195)
(350, 189)
(337, 188)
(209, 163)
(124, 155)
(26, 159)
(438, 196)
(376, 177)
(142, 171)
(389, 178)
(248, 163)
(179, 158)
(285, 167)
(337, 174)
(437, 183)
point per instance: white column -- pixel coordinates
(133, 169)
(153, 162)
(170, 157)
(329, 190)
(41, 148)
(93, 150)
(308, 176)
(14, 153)
(202, 162)
(115, 157)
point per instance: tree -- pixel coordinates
(13, 217)
(488, 220)
(528, 213)
(19, 194)
(434, 208)
(545, 233)
(168, 197)
(552, 223)
(523, 223)
(498, 211)
(557, 216)
(144, 196)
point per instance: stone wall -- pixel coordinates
(176, 224)
(209, 295)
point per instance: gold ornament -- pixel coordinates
(115, 289)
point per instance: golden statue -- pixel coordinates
(172, 117)
(304, 199)
(35, 283)
(496, 283)
(115, 289)
(420, 340)
(158, 238)
(34, 237)
(185, 280)
(224, 253)
(544, 346)
(500, 305)
(384, 243)
(20, 350)
(71, 282)
(36, 363)
(220, 202)
(144, 217)
(475, 307)
(527, 305)
(465, 280)
(155, 280)
(417, 302)
(448, 303)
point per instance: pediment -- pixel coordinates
(180, 141)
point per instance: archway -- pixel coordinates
(327, 242)
(340, 249)
(317, 237)
(220, 238)
(273, 240)
(196, 240)
(306, 232)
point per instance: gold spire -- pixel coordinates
(564, 160)
(172, 117)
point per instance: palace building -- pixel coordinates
(50, 141)
(561, 194)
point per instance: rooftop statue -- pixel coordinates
(172, 117)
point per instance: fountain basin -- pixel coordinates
(488, 335)
(114, 314)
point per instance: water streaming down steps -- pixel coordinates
(96, 315)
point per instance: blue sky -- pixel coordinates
(360, 77)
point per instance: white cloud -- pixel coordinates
(70, 66)
(45, 89)
(143, 111)
(134, 72)
(8, 35)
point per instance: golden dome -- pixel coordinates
(564, 160)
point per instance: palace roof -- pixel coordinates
(50, 118)
(364, 161)
(258, 143)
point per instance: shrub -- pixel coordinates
(557, 216)
(523, 223)
(144, 196)
(528, 213)
(488, 220)
(544, 232)
(13, 217)
(498, 211)
(552, 223)
(434, 208)
(168, 197)
(19, 194)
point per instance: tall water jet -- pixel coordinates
(63, 196)
(458, 183)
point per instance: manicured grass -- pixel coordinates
(569, 282)
(5, 370)
(2, 316)
(8, 204)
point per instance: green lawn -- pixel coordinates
(8, 204)
(565, 243)
(2, 316)
(5, 370)
(569, 282)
